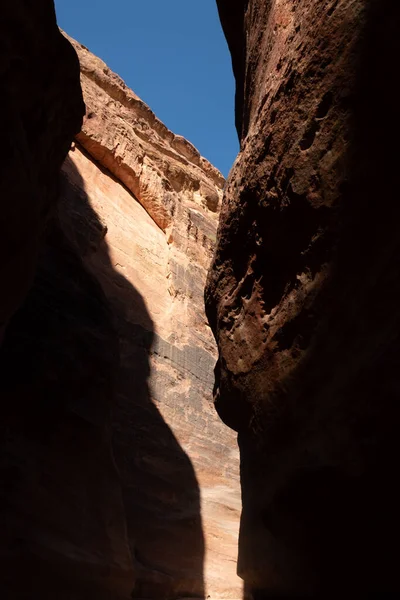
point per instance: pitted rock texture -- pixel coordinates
(156, 203)
(42, 108)
(304, 294)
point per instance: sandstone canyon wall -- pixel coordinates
(304, 295)
(158, 202)
(117, 477)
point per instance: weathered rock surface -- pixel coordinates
(304, 295)
(156, 203)
(122, 133)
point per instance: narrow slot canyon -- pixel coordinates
(132, 484)
(199, 377)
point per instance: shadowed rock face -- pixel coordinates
(63, 532)
(42, 109)
(160, 490)
(303, 295)
(61, 512)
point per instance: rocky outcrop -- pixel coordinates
(156, 203)
(304, 292)
(122, 133)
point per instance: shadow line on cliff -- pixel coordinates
(160, 490)
(80, 346)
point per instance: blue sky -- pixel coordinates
(173, 55)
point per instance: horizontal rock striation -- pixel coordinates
(304, 291)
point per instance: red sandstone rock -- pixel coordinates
(304, 294)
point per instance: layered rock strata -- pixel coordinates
(303, 295)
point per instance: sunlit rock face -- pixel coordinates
(304, 294)
(156, 203)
